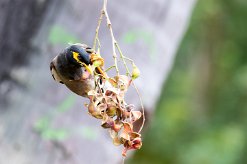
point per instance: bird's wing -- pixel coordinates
(54, 73)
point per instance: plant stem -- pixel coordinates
(108, 69)
(96, 38)
(137, 91)
(109, 25)
(142, 106)
(122, 57)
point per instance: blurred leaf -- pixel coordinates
(134, 36)
(67, 103)
(59, 35)
(55, 134)
(42, 124)
(88, 132)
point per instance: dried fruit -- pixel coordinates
(111, 110)
(107, 103)
(136, 115)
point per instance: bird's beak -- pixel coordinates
(96, 60)
(76, 57)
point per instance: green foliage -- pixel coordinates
(146, 37)
(48, 133)
(44, 125)
(66, 104)
(201, 115)
(59, 35)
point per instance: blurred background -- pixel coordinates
(201, 114)
(193, 82)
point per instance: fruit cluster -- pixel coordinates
(107, 103)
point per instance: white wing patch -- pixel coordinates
(56, 76)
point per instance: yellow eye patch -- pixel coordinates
(76, 57)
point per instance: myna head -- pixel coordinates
(79, 55)
(84, 56)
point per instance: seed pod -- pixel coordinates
(93, 111)
(116, 141)
(136, 115)
(97, 60)
(134, 135)
(137, 143)
(111, 111)
(135, 72)
(98, 63)
(91, 108)
(124, 137)
(117, 126)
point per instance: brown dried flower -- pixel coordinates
(107, 103)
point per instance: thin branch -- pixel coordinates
(112, 36)
(96, 38)
(123, 159)
(99, 45)
(142, 106)
(132, 62)
(137, 91)
(122, 57)
(108, 69)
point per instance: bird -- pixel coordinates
(73, 67)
